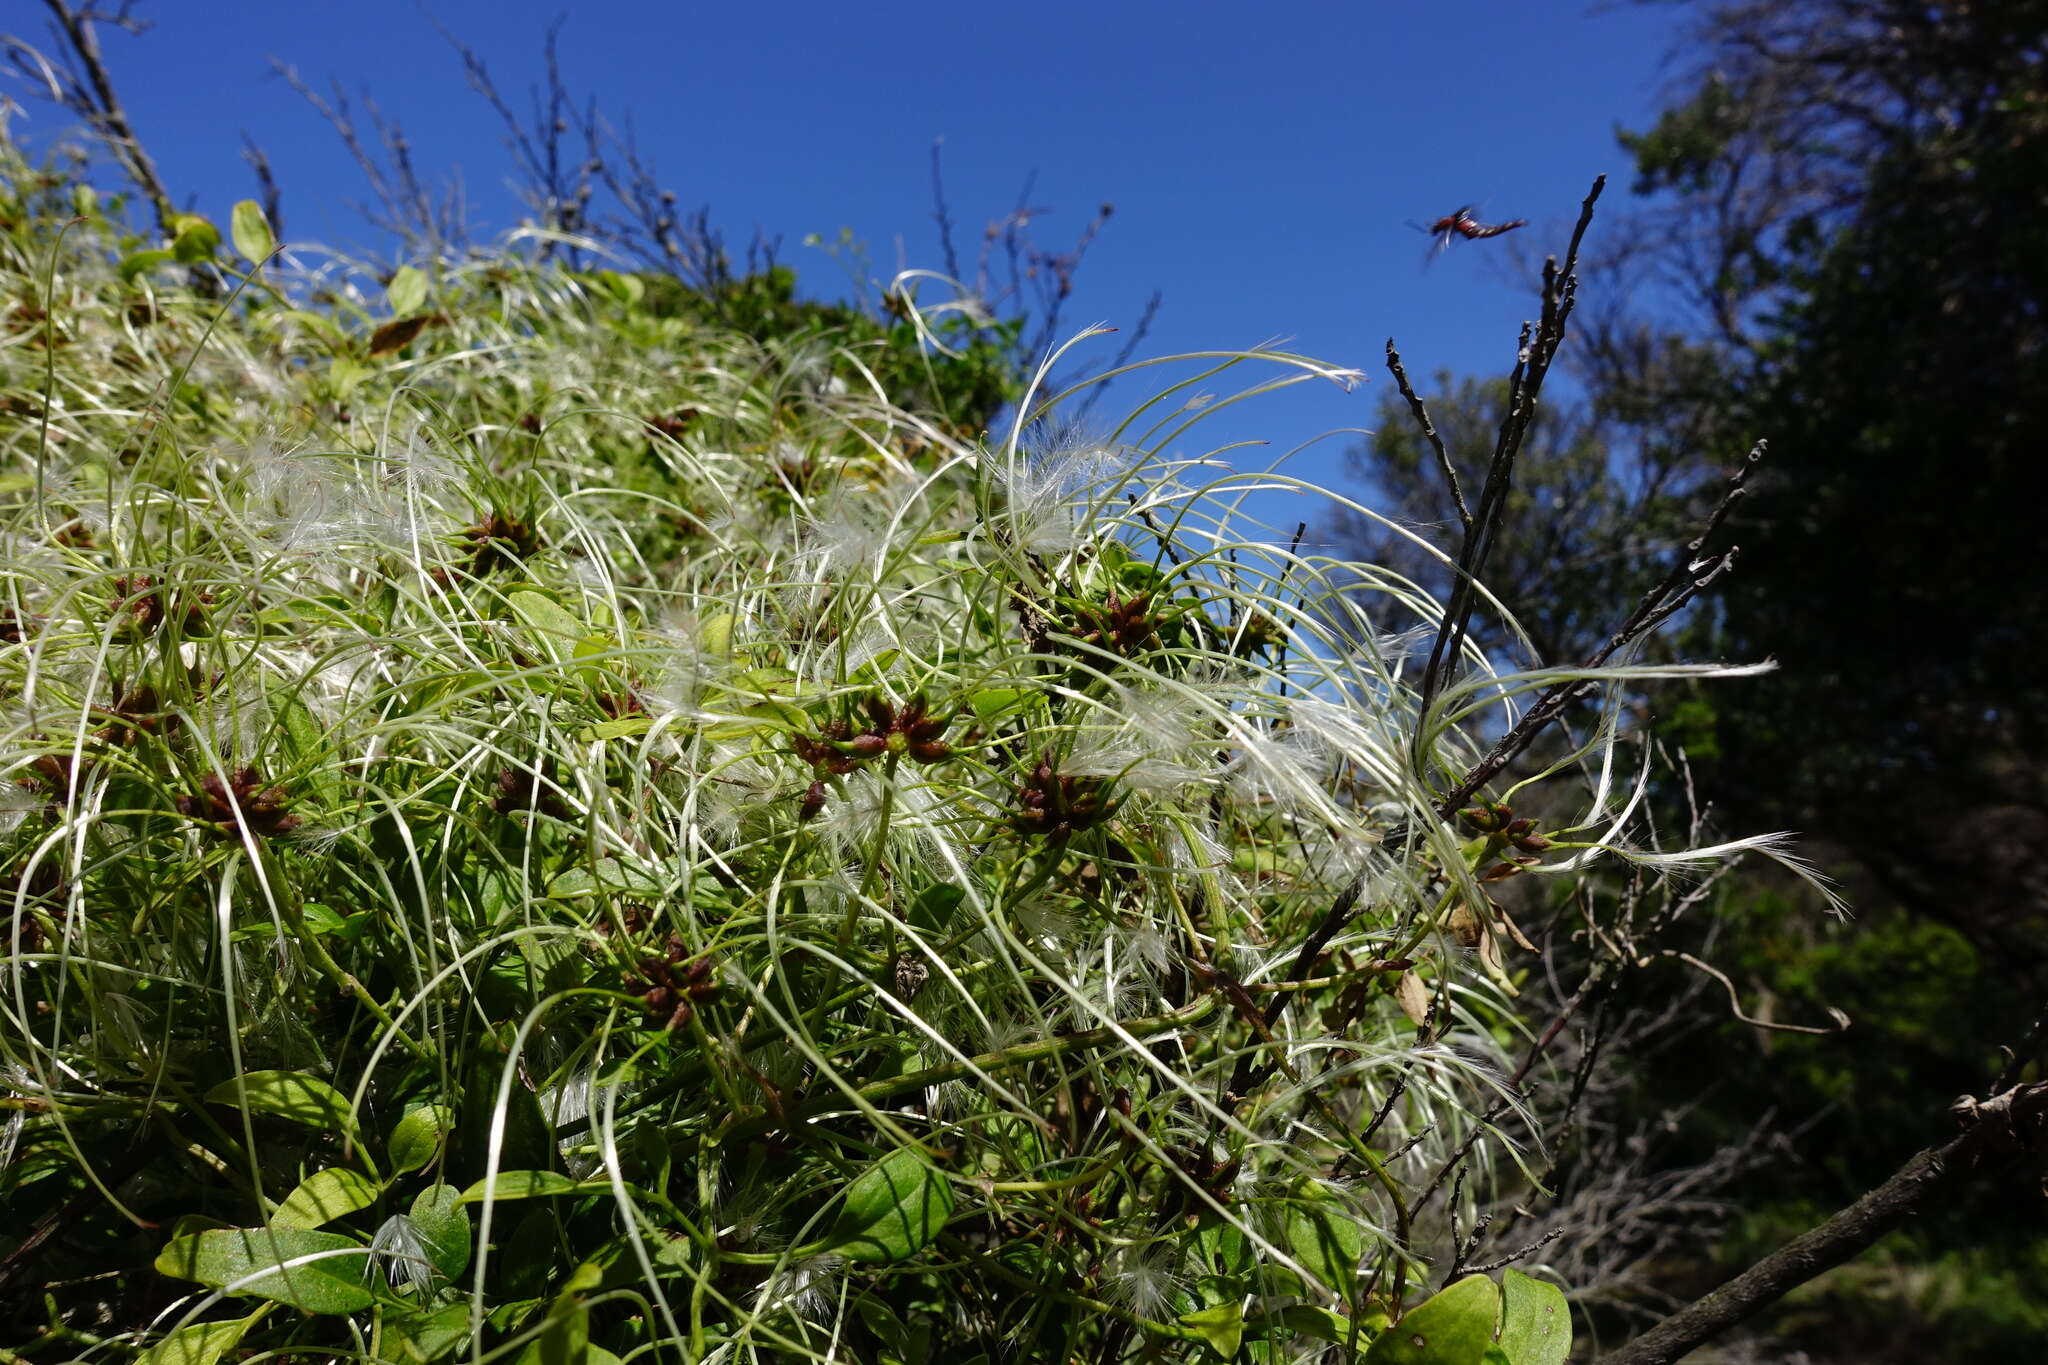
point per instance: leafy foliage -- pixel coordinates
(571, 829)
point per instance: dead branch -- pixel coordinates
(83, 85)
(1997, 1130)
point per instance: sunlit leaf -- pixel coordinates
(895, 1209)
(406, 292)
(193, 239)
(416, 1139)
(199, 1343)
(290, 1095)
(1222, 1326)
(525, 1185)
(1535, 1323)
(443, 1225)
(325, 1196)
(269, 1263)
(251, 231)
(1453, 1328)
(1327, 1240)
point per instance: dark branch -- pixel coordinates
(1691, 575)
(2007, 1125)
(93, 97)
(1436, 442)
(1532, 364)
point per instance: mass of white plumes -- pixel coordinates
(1148, 739)
(1289, 768)
(1143, 1279)
(1048, 492)
(17, 803)
(852, 538)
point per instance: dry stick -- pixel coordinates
(1532, 364)
(105, 110)
(1429, 431)
(2011, 1123)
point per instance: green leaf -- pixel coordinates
(627, 289)
(255, 1261)
(418, 1338)
(325, 1196)
(320, 919)
(200, 1343)
(895, 1209)
(193, 239)
(1221, 1245)
(607, 875)
(551, 625)
(251, 231)
(1326, 1240)
(306, 745)
(565, 1341)
(407, 291)
(443, 1225)
(714, 636)
(1221, 1326)
(1453, 1328)
(621, 728)
(1535, 1324)
(1320, 1323)
(141, 262)
(290, 1095)
(993, 701)
(416, 1139)
(344, 375)
(526, 1185)
(933, 910)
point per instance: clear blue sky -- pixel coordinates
(1263, 159)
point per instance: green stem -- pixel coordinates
(988, 1063)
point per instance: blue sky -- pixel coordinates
(1263, 160)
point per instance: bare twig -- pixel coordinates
(1691, 575)
(1534, 353)
(1502, 1262)
(2009, 1124)
(942, 214)
(1735, 1002)
(1533, 364)
(1429, 432)
(84, 86)
(1123, 355)
(266, 183)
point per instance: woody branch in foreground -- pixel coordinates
(1998, 1132)
(80, 83)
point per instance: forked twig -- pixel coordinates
(1691, 575)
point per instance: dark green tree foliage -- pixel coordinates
(1860, 209)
